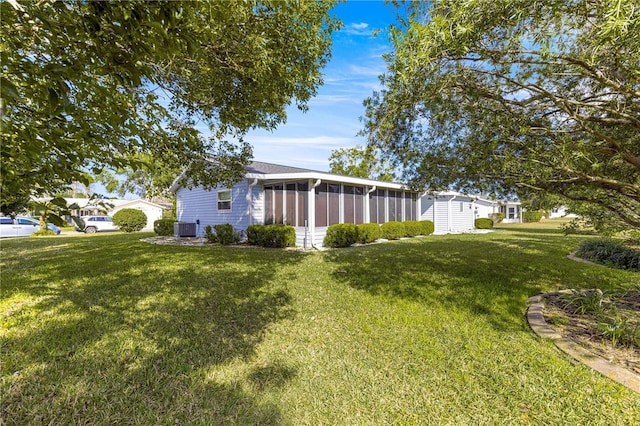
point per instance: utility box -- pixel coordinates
(184, 229)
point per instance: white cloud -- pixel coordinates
(361, 29)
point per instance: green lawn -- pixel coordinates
(106, 329)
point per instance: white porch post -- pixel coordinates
(311, 211)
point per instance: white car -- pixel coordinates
(21, 227)
(93, 224)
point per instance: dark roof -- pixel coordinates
(269, 168)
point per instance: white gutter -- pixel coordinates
(372, 189)
(251, 185)
(451, 213)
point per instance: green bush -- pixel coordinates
(497, 217)
(427, 227)
(255, 234)
(341, 235)
(483, 223)
(277, 235)
(222, 233)
(610, 252)
(368, 232)
(163, 227)
(412, 228)
(393, 230)
(532, 216)
(43, 233)
(130, 220)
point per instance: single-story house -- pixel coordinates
(561, 211)
(512, 211)
(153, 211)
(311, 200)
(450, 212)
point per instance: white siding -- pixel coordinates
(485, 208)
(200, 204)
(426, 208)
(153, 213)
(462, 214)
(442, 216)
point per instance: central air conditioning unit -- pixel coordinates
(184, 229)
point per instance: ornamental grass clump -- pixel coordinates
(610, 252)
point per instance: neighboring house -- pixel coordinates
(512, 211)
(561, 212)
(311, 200)
(152, 210)
(450, 212)
(485, 207)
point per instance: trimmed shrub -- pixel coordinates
(255, 234)
(532, 216)
(393, 230)
(610, 252)
(497, 217)
(412, 228)
(130, 220)
(277, 236)
(368, 232)
(341, 235)
(163, 227)
(483, 223)
(427, 227)
(222, 233)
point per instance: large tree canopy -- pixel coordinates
(87, 84)
(361, 162)
(515, 95)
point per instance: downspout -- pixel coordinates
(312, 226)
(451, 213)
(249, 198)
(368, 204)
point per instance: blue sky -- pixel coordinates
(333, 118)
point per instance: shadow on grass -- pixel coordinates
(490, 275)
(112, 330)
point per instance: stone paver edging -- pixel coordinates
(541, 328)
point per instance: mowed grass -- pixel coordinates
(110, 330)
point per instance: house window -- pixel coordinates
(224, 200)
(512, 213)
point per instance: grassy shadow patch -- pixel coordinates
(133, 325)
